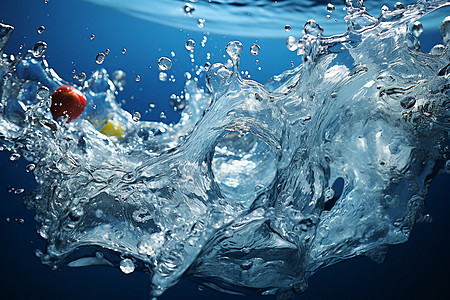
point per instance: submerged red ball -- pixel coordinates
(67, 101)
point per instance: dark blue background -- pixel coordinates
(416, 270)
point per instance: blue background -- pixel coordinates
(418, 269)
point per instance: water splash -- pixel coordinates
(244, 182)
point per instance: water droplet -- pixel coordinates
(201, 23)
(92, 36)
(190, 45)
(445, 31)
(42, 93)
(330, 7)
(119, 78)
(137, 78)
(14, 157)
(20, 220)
(162, 76)
(30, 168)
(107, 51)
(41, 29)
(417, 29)
(254, 49)
(100, 58)
(291, 43)
(384, 9)
(313, 28)
(188, 9)
(45, 1)
(136, 116)
(162, 115)
(287, 28)
(408, 102)
(328, 17)
(398, 6)
(81, 77)
(124, 50)
(234, 49)
(127, 266)
(39, 49)
(164, 63)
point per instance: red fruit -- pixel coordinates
(67, 101)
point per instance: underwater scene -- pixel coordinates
(216, 149)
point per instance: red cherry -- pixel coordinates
(67, 101)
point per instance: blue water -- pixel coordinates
(416, 269)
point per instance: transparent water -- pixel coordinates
(257, 186)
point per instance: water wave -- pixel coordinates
(258, 186)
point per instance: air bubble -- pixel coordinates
(19, 191)
(136, 116)
(42, 93)
(313, 28)
(287, 28)
(254, 49)
(127, 266)
(417, 29)
(190, 45)
(30, 168)
(41, 29)
(39, 49)
(201, 23)
(162, 76)
(107, 51)
(81, 77)
(291, 43)
(14, 157)
(124, 50)
(137, 78)
(398, 6)
(164, 63)
(188, 9)
(100, 58)
(92, 37)
(408, 102)
(207, 66)
(437, 49)
(162, 115)
(330, 7)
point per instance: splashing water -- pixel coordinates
(240, 194)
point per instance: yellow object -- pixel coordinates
(113, 128)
